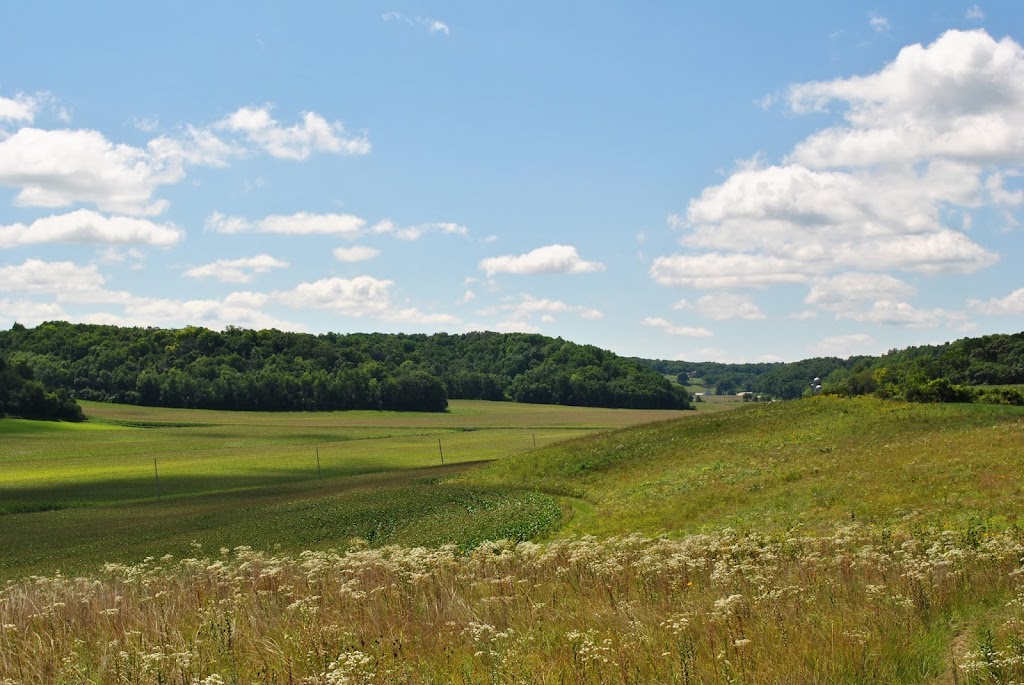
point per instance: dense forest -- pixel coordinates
(276, 371)
(960, 371)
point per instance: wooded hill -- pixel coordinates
(272, 370)
(925, 372)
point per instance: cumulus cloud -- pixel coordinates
(839, 291)
(551, 259)
(827, 220)
(36, 276)
(1011, 305)
(357, 253)
(388, 227)
(527, 306)
(19, 108)
(61, 167)
(301, 223)
(362, 296)
(889, 313)
(237, 270)
(86, 226)
(921, 145)
(29, 312)
(724, 306)
(961, 98)
(672, 329)
(298, 141)
(244, 309)
(720, 271)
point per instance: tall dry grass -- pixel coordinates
(857, 606)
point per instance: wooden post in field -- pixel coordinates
(319, 475)
(156, 478)
(440, 450)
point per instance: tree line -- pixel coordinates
(960, 371)
(271, 370)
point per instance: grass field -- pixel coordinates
(824, 540)
(76, 495)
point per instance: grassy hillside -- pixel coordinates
(810, 464)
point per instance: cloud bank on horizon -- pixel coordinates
(885, 214)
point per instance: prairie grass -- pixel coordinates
(856, 606)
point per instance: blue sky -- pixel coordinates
(700, 181)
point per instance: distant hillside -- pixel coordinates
(276, 371)
(986, 360)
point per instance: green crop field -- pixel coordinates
(134, 481)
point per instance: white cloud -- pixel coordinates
(58, 168)
(889, 313)
(197, 147)
(237, 270)
(35, 276)
(720, 271)
(962, 97)
(304, 223)
(29, 313)
(826, 220)
(219, 223)
(430, 24)
(359, 296)
(923, 144)
(19, 108)
(843, 346)
(467, 297)
(86, 226)
(804, 315)
(515, 326)
(672, 329)
(244, 309)
(879, 23)
(561, 259)
(301, 223)
(1011, 305)
(974, 13)
(724, 306)
(388, 227)
(357, 253)
(838, 292)
(299, 141)
(362, 296)
(528, 306)
(116, 255)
